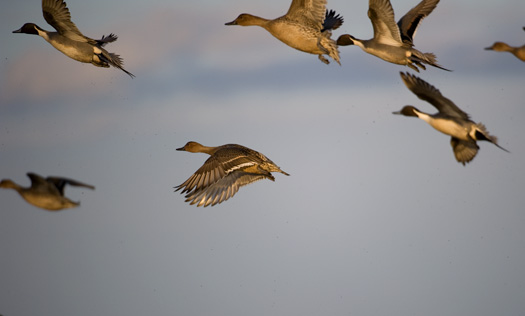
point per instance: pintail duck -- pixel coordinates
(307, 26)
(502, 47)
(450, 119)
(45, 193)
(70, 41)
(229, 168)
(391, 42)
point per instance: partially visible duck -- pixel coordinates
(394, 42)
(228, 168)
(70, 41)
(307, 26)
(502, 47)
(450, 120)
(45, 193)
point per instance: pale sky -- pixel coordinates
(377, 217)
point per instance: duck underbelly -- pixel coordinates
(51, 203)
(450, 128)
(297, 39)
(392, 54)
(81, 52)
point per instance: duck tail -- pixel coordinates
(431, 59)
(115, 61)
(481, 133)
(275, 168)
(418, 58)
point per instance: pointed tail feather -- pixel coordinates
(431, 59)
(115, 61)
(418, 57)
(482, 134)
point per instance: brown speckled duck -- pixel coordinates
(45, 193)
(307, 26)
(228, 168)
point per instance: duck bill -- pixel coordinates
(180, 149)
(231, 23)
(17, 31)
(397, 112)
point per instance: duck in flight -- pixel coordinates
(519, 52)
(228, 168)
(395, 42)
(46, 193)
(70, 41)
(449, 120)
(307, 26)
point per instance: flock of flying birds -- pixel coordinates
(307, 26)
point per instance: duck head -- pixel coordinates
(246, 19)
(407, 110)
(346, 40)
(28, 28)
(8, 184)
(191, 147)
(498, 47)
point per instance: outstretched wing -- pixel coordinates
(215, 168)
(332, 21)
(429, 93)
(37, 181)
(60, 183)
(409, 23)
(381, 15)
(313, 10)
(464, 150)
(106, 39)
(223, 189)
(57, 15)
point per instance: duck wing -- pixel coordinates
(481, 133)
(386, 30)
(409, 23)
(57, 15)
(40, 184)
(429, 93)
(464, 150)
(312, 10)
(225, 188)
(332, 21)
(60, 183)
(106, 39)
(112, 58)
(217, 167)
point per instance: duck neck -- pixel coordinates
(8, 184)
(424, 116)
(360, 43)
(258, 21)
(207, 150)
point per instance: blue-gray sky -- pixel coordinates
(377, 217)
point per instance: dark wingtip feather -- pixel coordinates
(332, 21)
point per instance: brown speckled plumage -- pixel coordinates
(228, 168)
